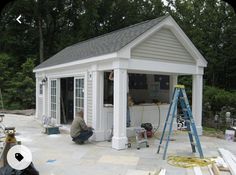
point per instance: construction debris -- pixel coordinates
(161, 172)
(230, 160)
(215, 169)
(220, 163)
(197, 170)
(210, 169)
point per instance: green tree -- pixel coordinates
(20, 88)
(211, 25)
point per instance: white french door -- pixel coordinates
(55, 99)
(79, 95)
(53, 93)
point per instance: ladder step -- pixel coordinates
(189, 121)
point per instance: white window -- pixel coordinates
(40, 89)
(79, 94)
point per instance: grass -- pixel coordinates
(213, 132)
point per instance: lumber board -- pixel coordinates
(162, 172)
(210, 170)
(220, 162)
(215, 169)
(229, 159)
(197, 170)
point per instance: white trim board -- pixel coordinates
(164, 67)
(197, 170)
(83, 61)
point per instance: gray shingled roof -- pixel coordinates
(104, 44)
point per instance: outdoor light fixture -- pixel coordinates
(44, 80)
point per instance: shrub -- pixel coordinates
(216, 99)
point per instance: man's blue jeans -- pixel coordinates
(84, 135)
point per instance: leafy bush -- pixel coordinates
(217, 102)
(215, 99)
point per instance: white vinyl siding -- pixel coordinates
(39, 103)
(164, 46)
(40, 107)
(89, 101)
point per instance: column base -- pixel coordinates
(119, 143)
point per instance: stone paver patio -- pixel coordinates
(58, 155)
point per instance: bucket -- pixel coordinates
(229, 135)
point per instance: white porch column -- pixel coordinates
(97, 105)
(197, 101)
(119, 139)
(173, 82)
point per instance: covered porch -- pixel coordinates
(152, 48)
(118, 111)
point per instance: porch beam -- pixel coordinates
(162, 67)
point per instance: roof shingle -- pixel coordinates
(104, 44)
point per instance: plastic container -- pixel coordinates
(229, 135)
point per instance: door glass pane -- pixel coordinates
(79, 94)
(53, 99)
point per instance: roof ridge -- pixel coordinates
(124, 28)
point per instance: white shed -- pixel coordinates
(152, 53)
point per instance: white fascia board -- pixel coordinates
(169, 23)
(83, 61)
(165, 67)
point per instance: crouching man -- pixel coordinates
(79, 131)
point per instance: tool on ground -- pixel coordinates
(10, 141)
(179, 95)
(149, 129)
(141, 137)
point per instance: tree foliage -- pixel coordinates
(50, 25)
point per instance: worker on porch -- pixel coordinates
(79, 131)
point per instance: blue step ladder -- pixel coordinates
(179, 95)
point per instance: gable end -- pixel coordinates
(163, 46)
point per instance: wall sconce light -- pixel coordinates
(44, 80)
